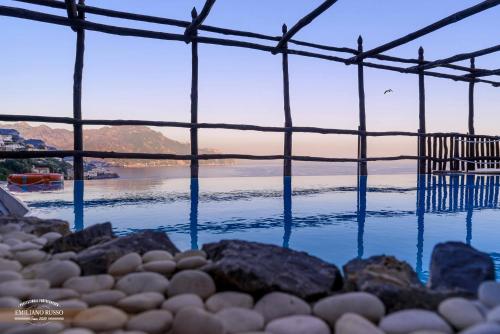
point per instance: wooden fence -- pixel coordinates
(436, 151)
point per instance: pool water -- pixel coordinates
(336, 218)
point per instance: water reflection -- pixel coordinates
(78, 194)
(433, 195)
(193, 212)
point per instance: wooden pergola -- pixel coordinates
(433, 154)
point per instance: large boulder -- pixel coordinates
(97, 259)
(456, 266)
(83, 239)
(393, 281)
(258, 269)
(36, 225)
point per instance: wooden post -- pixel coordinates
(445, 142)
(429, 155)
(78, 173)
(194, 101)
(421, 113)
(434, 152)
(441, 163)
(471, 166)
(287, 163)
(362, 166)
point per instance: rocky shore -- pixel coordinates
(141, 283)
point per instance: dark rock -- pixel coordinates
(393, 281)
(258, 268)
(97, 259)
(456, 266)
(83, 239)
(37, 226)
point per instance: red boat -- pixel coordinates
(44, 180)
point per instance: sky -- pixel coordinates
(135, 78)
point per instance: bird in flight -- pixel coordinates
(388, 91)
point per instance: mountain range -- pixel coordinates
(136, 139)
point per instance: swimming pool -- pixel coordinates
(335, 218)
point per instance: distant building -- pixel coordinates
(10, 136)
(35, 144)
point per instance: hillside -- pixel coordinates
(120, 139)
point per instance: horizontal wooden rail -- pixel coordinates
(166, 156)
(227, 126)
(225, 31)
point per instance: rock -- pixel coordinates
(192, 262)
(190, 253)
(408, 321)
(152, 322)
(351, 323)
(494, 315)
(279, 304)
(9, 302)
(156, 255)
(24, 246)
(51, 237)
(77, 331)
(35, 225)
(11, 242)
(20, 236)
(484, 328)
(30, 256)
(78, 241)
(48, 328)
(192, 281)
(73, 304)
(103, 297)
(96, 259)
(177, 303)
(22, 289)
(196, 321)
(394, 282)
(55, 271)
(489, 293)
(298, 324)
(165, 267)
(483, 309)
(55, 294)
(257, 269)
(238, 320)
(458, 266)
(9, 275)
(134, 283)
(226, 299)
(88, 284)
(11, 265)
(101, 318)
(460, 312)
(125, 264)
(141, 302)
(40, 241)
(364, 304)
(64, 256)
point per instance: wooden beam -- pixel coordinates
(482, 73)
(459, 57)
(362, 166)
(194, 100)
(78, 170)
(71, 10)
(122, 31)
(303, 22)
(421, 112)
(458, 16)
(225, 31)
(167, 156)
(287, 149)
(198, 20)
